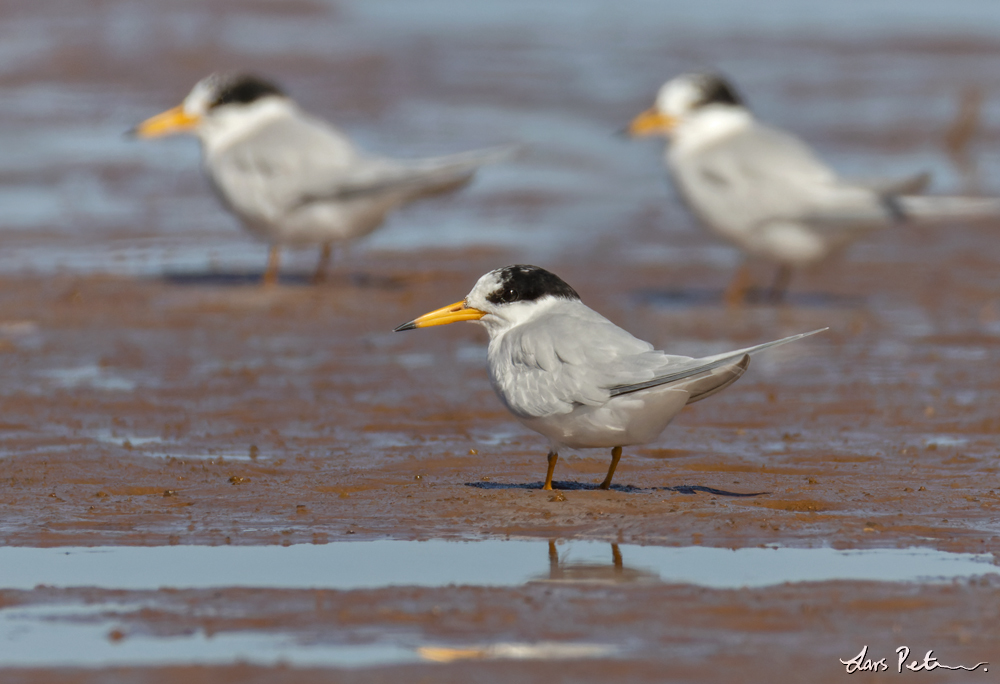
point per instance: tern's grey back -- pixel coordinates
(749, 177)
(296, 179)
(572, 356)
(760, 180)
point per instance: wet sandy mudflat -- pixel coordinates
(152, 395)
(142, 411)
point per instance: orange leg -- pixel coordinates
(273, 261)
(736, 293)
(553, 457)
(616, 455)
(324, 263)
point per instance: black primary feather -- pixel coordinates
(523, 283)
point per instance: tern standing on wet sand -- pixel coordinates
(575, 377)
(292, 179)
(765, 191)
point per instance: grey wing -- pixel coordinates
(267, 174)
(690, 368)
(545, 368)
(410, 178)
(762, 175)
(298, 160)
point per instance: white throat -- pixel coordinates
(229, 124)
(508, 316)
(709, 125)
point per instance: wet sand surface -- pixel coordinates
(152, 394)
(296, 415)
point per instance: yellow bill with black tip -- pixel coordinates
(174, 120)
(443, 316)
(651, 122)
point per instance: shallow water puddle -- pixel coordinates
(50, 636)
(368, 565)
(72, 635)
(98, 633)
(62, 636)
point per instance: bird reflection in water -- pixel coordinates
(559, 571)
(566, 571)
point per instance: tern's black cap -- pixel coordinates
(242, 89)
(717, 90)
(523, 283)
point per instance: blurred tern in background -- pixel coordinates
(292, 179)
(767, 192)
(575, 377)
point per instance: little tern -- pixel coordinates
(575, 377)
(767, 192)
(292, 179)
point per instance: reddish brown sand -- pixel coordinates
(858, 439)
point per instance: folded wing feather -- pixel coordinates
(694, 367)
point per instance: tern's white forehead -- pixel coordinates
(679, 95)
(484, 287)
(200, 99)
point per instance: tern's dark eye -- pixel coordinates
(505, 295)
